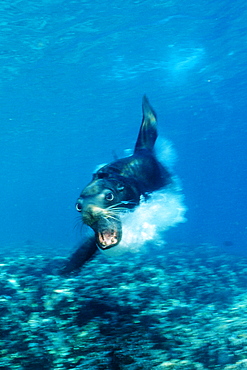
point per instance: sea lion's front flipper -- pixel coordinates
(148, 130)
(84, 253)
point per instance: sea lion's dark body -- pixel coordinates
(141, 172)
(116, 187)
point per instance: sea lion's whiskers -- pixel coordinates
(115, 210)
(121, 205)
(107, 217)
(114, 206)
(78, 224)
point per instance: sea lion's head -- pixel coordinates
(101, 204)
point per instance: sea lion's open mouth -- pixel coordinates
(107, 239)
(108, 233)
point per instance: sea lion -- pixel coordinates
(117, 188)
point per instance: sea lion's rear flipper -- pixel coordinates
(148, 130)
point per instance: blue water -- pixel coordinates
(72, 77)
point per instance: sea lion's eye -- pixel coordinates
(109, 196)
(78, 206)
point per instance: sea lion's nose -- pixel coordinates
(79, 205)
(91, 214)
